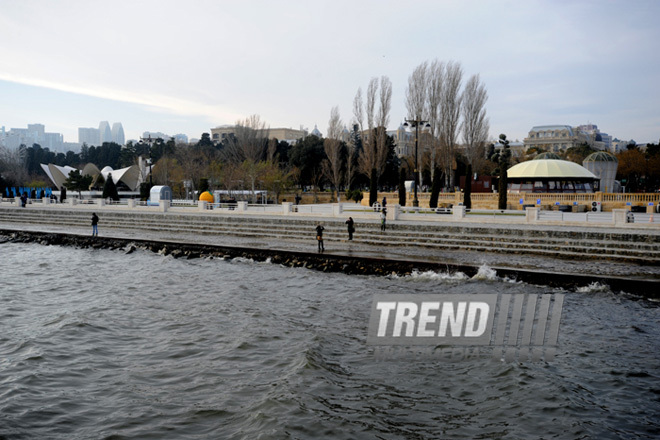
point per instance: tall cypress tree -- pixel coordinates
(435, 188)
(467, 194)
(110, 189)
(373, 187)
(505, 154)
(402, 187)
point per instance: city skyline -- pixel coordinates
(291, 62)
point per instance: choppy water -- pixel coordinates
(98, 344)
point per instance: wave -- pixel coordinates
(594, 287)
(485, 273)
(430, 275)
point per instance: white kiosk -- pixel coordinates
(158, 193)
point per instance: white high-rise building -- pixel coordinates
(33, 134)
(89, 136)
(105, 133)
(118, 133)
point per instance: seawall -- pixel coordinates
(329, 263)
(422, 238)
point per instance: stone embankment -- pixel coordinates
(635, 246)
(328, 263)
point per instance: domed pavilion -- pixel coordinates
(551, 176)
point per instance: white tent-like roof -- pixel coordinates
(549, 168)
(129, 175)
(56, 173)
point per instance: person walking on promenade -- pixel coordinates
(383, 219)
(351, 227)
(384, 202)
(23, 200)
(319, 236)
(95, 222)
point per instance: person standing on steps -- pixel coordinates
(351, 227)
(319, 236)
(383, 218)
(95, 222)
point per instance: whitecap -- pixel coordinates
(593, 288)
(485, 273)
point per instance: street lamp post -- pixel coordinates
(415, 123)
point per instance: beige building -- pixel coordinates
(218, 134)
(554, 138)
(404, 140)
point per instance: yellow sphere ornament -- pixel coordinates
(206, 197)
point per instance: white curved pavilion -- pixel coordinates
(551, 175)
(130, 176)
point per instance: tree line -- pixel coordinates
(445, 115)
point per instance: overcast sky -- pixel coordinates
(186, 66)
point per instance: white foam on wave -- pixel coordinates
(242, 260)
(432, 276)
(485, 273)
(593, 288)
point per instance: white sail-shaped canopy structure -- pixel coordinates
(130, 176)
(57, 174)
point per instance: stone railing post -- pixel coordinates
(286, 208)
(73, 201)
(201, 205)
(459, 212)
(337, 209)
(531, 215)
(619, 216)
(394, 212)
(131, 203)
(17, 201)
(241, 206)
(164, 205)
(101, 202)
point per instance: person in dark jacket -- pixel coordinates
(95, 222)
(350, 224)
(319, 237)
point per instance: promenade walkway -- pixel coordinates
(539, 247)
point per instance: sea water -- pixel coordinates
(102, 344)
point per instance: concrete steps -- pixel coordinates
(633, 246)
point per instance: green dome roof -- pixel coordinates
(600, 156)
(546, 155)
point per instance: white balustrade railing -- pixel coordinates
(405, 213)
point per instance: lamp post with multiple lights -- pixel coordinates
(416, 123)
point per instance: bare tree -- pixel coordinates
(12, 166)
(358, 109)
(249, 141)
(351, 149)
(382, 120)
(356, 135)
(368, 159)
(475, 123)
(333, 164)
(193, 164)
(450, 118)
(417, 92)
(416, 101)
(435, 80)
